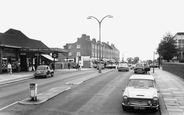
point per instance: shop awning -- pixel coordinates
(49, 57)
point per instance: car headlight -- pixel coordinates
(125, 97)
(155, 98)
(149, 102)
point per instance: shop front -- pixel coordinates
(31, 58)
(9, 55)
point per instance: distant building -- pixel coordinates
(24, 53)
(179, 37)
(85, 51)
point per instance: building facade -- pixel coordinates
(88, 51)
(179, 37)
(23, 53)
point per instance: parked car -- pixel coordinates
(141, 93)
(141, 68)
(44, 71)
(111, 66)
(154, 65)
(123, 67)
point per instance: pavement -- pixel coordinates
(171, 89)
(171, 92)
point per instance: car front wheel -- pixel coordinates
(125, 108)
(52, 74)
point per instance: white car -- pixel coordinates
(141, 93)
(123, 67)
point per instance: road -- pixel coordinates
(101, 95)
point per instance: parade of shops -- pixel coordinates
(23, 53)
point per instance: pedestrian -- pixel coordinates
(68, 65)
(77, 66)
(53, 66)
(9, 67)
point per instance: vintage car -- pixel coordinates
(141, 68)
(44, 71)
(111, 66)
(141, 93)
(123, 67)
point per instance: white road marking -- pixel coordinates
(8, 105)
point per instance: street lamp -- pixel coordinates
(154, 60)
(100, 22)
(123, 56)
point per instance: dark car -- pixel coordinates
(44, 71)
(141, 68)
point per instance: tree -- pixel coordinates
(136, 60)
(130, 59)
(167, 47)
(149, 62)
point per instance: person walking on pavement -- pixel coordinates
(9, 67)
(68, 65)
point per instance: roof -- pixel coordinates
(147, 77)
(14, 37)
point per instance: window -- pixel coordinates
(93, 46)
(70, 47)
(78, 46)
(78, 53)
(70, 54)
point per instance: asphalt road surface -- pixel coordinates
(101, 95)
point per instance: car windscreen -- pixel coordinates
(140, 83)
(41, 68)
(123, 65)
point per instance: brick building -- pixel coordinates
(85, 51)
(179, 37)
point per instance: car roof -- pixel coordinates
(147, 77)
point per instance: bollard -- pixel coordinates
(33, 91)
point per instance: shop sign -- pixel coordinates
(22, 53)
(34, 49)
(55, 55)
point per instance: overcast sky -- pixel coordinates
(136, 28)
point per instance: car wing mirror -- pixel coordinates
(123, 89)
(158, 91)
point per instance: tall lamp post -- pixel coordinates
(123, 56)
(154, 61)
(100, 22)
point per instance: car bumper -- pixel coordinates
(139, 106)
(123, 69)
(39, 75)
(138, 71)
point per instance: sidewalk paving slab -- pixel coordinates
(172, 92)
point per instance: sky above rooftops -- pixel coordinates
(136, 28)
